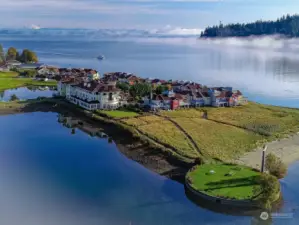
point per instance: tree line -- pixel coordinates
(287, 26)
(27, 56)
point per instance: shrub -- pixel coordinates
(13, 98)
(267, 190)
(275, 166)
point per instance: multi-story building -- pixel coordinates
(91, 95)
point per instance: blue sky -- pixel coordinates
(140, 14)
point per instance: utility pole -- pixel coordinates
(263, 159)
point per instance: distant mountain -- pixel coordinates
(287, 26)
(39, 32)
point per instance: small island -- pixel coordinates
(287, 26)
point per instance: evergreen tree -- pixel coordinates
(286, 25)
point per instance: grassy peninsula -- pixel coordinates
(221, 136)
(9, 80)
(227, 134)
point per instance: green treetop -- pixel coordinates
(28, 56)
(12, 54)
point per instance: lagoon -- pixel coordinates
(49, 175)
(26, 93)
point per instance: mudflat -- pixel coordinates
(287, 149)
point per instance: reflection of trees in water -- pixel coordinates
(284, 67)
(2, 94)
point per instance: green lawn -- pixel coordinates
(9, 83)
(8, 74)
(119, 113)
(228, 181)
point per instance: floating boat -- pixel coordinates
(101, 57)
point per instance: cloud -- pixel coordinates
(169, 30)
(67, 6)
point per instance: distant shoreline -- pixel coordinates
(287, 148)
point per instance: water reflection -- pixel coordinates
(49, 174)
(25, 93)
(74, 123)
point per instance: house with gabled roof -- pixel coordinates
(93, 95)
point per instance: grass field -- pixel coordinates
(228, 181)
(230, 132)
(266, 120)
(9, 83)
(8, 74)
(226, 135)
(165, 132)
(217, 140)
(119, 113)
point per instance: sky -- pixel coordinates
(139, 14)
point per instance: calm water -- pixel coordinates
(49, 176)
(25, 93)
(263, 69)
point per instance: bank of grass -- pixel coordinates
(230, 132)
(10, 83)
(8, 74)
(217, 140)
(165, 132)
(119, 113)
(225, 181)
(270, 121)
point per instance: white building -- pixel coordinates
(91, 95)
(47, 70)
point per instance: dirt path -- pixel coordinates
(287, 149)
(195, 146)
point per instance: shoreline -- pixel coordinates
(145, 154)
(134, 146)
(286, 148)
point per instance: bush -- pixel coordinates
(267, 191)
(29, 73)
(13, 98)
(275, 166)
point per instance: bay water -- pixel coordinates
(50, 176)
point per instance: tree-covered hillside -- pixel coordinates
(286, 25)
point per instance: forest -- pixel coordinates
(287, 26)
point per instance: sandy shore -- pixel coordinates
(287, 149)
